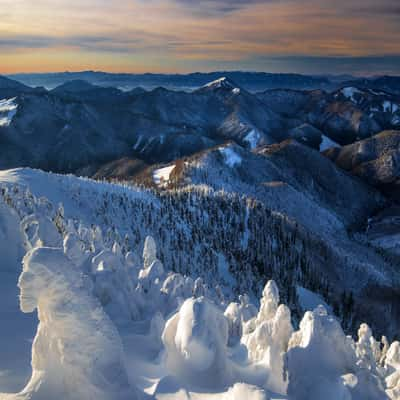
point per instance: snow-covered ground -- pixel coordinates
(349, 92)
(113, 324)
(161, 175)
(231, 157)
(309, 300)
(389, 106)
(8, 109)
(252, 138)
(327, 143)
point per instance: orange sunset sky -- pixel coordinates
(309, 36)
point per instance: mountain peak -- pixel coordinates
(221, 83)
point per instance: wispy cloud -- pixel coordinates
(213, 8)
(26, 42)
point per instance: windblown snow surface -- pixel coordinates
(113, 322)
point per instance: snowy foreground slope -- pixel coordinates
(114, 322)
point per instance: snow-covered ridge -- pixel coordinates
(49, 184)
(386, 105)
(8, 109)
(350, 92)
(217, 83)
(168, 335)
(222, 82)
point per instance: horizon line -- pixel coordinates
(249, 71)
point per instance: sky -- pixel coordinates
(359, 37)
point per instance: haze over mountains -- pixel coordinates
(243, 178)
(251, 81)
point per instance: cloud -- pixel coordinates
(116, 43)
(189, 34)
(26, 42)
(383, 8)
(213, 8)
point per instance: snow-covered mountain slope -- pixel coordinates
(65, 129)
(216, 112)
(290, 170)
(134, 213)
(115, 326)
(374, 160)
(316, 199)
(345, 116)
(8, 109)
(79, 125)
(383, 231)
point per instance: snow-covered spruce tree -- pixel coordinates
(266, 338)
(392, 369)
(77, 352)
(195, 341)
(322, 363)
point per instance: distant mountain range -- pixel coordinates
(251, 81)
(82, 126)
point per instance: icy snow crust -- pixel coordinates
(114, 325)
